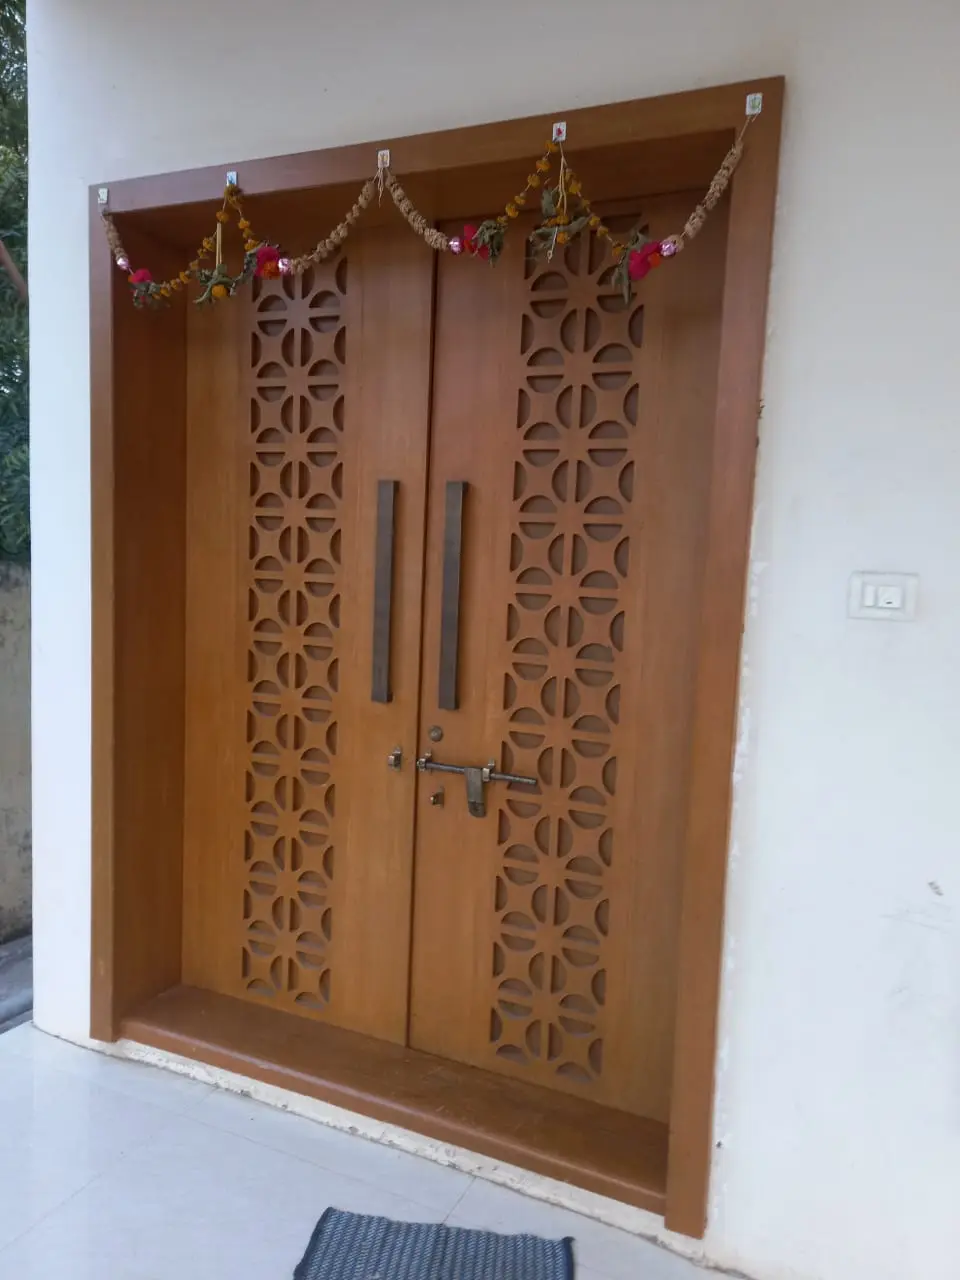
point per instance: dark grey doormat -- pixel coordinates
(353, 1246)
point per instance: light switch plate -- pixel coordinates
(883, 597)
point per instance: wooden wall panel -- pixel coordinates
(583, 430)
(137, 385)
(217, 499)
(303, 397)
(147, 614)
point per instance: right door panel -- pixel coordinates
(544, 938)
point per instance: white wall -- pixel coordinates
(838, 1123)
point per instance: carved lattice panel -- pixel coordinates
(572, 552)
(297, 350)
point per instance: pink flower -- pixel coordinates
(644, 259)
(268, 261)
(470, 242)
(143, 276)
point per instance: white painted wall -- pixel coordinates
(839, 1081)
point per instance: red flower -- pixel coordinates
(644, 259)
(470, 242)
(143, 276)
(268, 261)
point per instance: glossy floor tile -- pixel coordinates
(115, 1171)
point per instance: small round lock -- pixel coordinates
(435, 733)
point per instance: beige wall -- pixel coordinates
(14, 750)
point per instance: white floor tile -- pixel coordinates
(604, 1250)
(148, 1084)
(12, 1041)
(421, 1181)
(196, 1204)
(59, 1131)
(114, 1171)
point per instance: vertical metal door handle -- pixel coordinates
(383, 590)
(450, 595)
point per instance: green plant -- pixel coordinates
(14, 377)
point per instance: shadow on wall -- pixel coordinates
(15, 841)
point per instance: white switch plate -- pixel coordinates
(883, 597)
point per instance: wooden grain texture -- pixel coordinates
(604, 1151)
(303, 401)
(138, 609)
(216, 575)
(584, 434)
(389, 335)
(297, 218)
(669, 117)
(743, 331)
(103, 284)
(137, 775)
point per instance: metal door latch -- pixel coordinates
(395, 759)
(476, 778)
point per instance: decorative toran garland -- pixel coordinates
(565, 210)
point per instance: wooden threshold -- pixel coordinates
(609, 1152)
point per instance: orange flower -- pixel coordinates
(222, 215)
(243, 224)
(195, 265)
(219, 291)
(552, 148)
(165, 290)
(533, 180)
(512, 209)
(184, 277)
(543, 165)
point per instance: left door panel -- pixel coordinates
(304, 400)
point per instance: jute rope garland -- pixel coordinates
(335, 239)
(566, 213)
(434, 238)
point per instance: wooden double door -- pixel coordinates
(454, 515)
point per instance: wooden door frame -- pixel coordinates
(127, 965)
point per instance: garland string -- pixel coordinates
(434, 238)
(565, 213)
